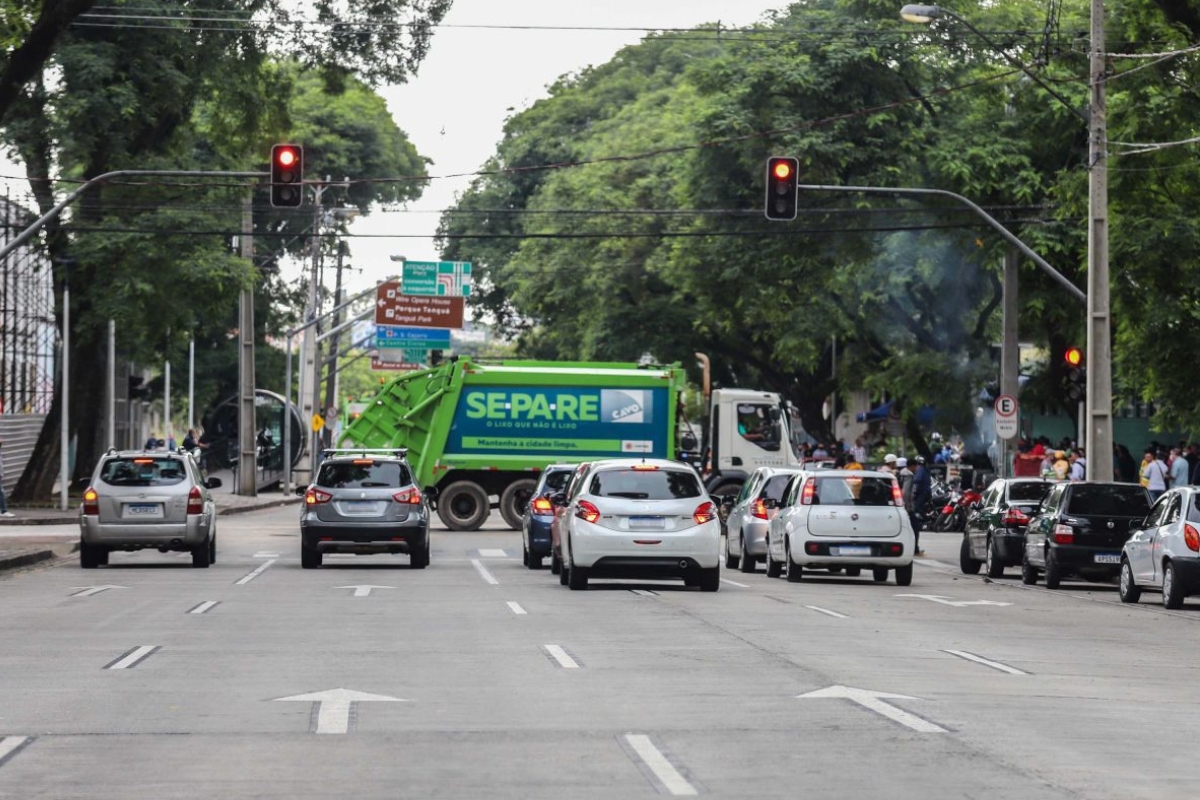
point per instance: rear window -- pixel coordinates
(657, 484)
(556, 481)
(143, 471)
(1193, 513)
(364, 475)
(775, 488)
(853, 492)
(1127, 500)
(1027, 492)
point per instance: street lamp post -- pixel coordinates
(1098, 433)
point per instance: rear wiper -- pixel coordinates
(372, 484)
(630, 495)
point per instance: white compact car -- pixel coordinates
(842, 519)
(640, 518)
(1163, 553)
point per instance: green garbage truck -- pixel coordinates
(479, 430)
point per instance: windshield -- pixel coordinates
(557, 480)
(1109, 500)
(853, 492)
(656, 484)
(143, 471)
(363, 474)
(1028, 491)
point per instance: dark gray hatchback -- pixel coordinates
(364, 502)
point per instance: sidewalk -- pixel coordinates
(20, 547)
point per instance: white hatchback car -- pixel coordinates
(1163, 553)
(842, 519)
(640, 518)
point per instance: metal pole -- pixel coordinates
(833, 394)
(1010, 348)
(247, 422)
(1099, 433)
(331, 381)
(112, 383)
(65, 439)
(191, 414)
(309, 367)
(167, 429)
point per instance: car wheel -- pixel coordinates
(463, 506)
(212, 549)
(310, 557)
(749, 562)
(420, 559)
(995, 567)
(968, 565)
(879, 574)
(1130, 593)
(853, 572)
(710, 579)
(514, 500)
(1053, 574)
(1172, 589)
(201, 555)
(794, 572)
(555, 564)
(774, 568)
(524, 554)
(578, 579)
(89, 556)
(904, 575)
(731, 561)
(1029, 573)
(535, 562)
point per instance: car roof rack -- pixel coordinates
(397, 452)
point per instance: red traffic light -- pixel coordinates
(782, 189)
(287, 175)
(286, 156)
(1073, 356)
(783, 170)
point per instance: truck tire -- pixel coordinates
(463, 506)
(514, 499)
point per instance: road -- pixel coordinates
(478, 678)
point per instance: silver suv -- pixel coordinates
(365, 502)
(143, 499)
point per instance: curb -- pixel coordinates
(74, 517)
(284, 501)
(26, 559)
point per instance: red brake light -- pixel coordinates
(366, 462)
(315, 497)
(760, 510)
(1064, 534)
(410, 497)
(587, 512)
(1015, 516)
(706, 512)
(643, 467)
(897, 495)
(809, 492)
(91, 503)
(195, 503)
(1191, 537)
(542, 505)
(143, 461)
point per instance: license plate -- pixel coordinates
(364, 507)
(647, 523)
(854, 551)
(1108, 558)
(143, 510)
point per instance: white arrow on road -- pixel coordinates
(88, 591)
(363, 590)
(873, 701)
(334, 705)
(946, 601)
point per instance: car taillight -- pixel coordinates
(760, 510)
(1015, 516)
(707, 512)
(897, 495)
(315, 497)
(195, 501)
(809, 492)
(410, 496)
(91, 503)
(542, 505)
(587, 512)
(1064, 534)
(1191, 537)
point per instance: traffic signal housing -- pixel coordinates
(1076, 374)
(783, 187)
(287, 176)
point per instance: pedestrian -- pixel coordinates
(904, 476)
(4, 512)
(922, 493)
(889, 464)
(152, 442)
(1129, 467)
(1061, 466)
(1154, 474)
(1179, 468)
(1078, 465)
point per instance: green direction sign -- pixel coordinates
(437, 278)
(410, 355)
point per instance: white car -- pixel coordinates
(1163, 553)
(839, 519)
(640, 518)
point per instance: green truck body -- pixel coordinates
(477, 429)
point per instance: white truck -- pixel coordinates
(746, 429)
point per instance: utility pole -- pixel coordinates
(1098, 416)
(247, 422)
(331, 381)
(1010, 348)
(112, 383)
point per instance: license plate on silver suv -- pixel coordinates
(143, 510)
(1107, 558)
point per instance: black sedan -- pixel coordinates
(995, 531)
(1080, 529)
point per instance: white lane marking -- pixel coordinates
(493, 553)
(262, 554)
(335, 705)
(644, 592)
(132, 658)
(735, 583)
(929, 562)
(663, 770)
(986, 662)
(257, 571)
(483, 573)
(827, 612)
(946, 601)
(88, 591)
(516, 608)
(205, 606)
(363, 589)
(873, 701)
(9, 745)
(560, 655)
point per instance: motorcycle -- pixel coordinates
(952, 516)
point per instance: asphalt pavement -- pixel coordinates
(480, 678)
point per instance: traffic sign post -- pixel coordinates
(1007, 416)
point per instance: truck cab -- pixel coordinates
(747, 429)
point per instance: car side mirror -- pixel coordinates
(212, 483)
(558, 499)
(770, 503)
(301, 491)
